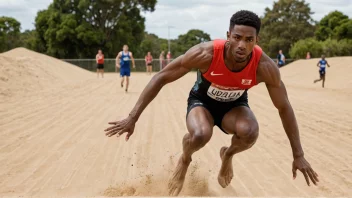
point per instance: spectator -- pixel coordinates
(280, 59)
(162, 60)
(168, 56)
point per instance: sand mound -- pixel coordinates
(22, 70)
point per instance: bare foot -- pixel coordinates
(178, 178)
(226, 172)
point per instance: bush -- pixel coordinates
(300, 48)
(316, 48)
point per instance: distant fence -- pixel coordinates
(109, 64)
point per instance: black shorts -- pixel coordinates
(322, 72)
(216, 109)
(100, 66)
(149, 64)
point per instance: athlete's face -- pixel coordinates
(100, 52)
(125, 48)
(242, 40)
(148, 53)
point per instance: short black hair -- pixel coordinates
(245, 17)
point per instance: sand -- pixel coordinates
(52, 117)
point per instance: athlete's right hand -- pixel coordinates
(120, 127)
(117, 65)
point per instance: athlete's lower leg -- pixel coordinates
(317, 80)
(198, 136)
(244, 139)
(122, 80)
(323, 81)
(102, 73)
(240, 122)
(127, 83)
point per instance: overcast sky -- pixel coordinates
(211, 16)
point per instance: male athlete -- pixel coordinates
(226, 70)
(149, 63)
(99, 58)
(322, 69)
(123, 62)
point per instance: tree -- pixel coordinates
(344, 31)
(188, 40)
(9, 33)
(329, 26)
(152, 43)
(286, 23)
(28, 39)
(78, 28)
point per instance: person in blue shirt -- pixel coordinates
(280, 59)
(123, 60)
(322, 69)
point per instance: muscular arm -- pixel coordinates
(196, 57)
(270, 75)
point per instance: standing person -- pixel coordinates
(322, 69)
(149, 63)
(162, 60)
(280, 59)
(168, 57)
(226, 70)
(123, 62)
(99, 58)
(308, 55)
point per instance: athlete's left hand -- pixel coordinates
(301, 164)
(134, 66)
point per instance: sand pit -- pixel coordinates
(52, 141)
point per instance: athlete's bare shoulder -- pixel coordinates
(268, 72)
(199, 56)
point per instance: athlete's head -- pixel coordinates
(243, 34)
(125, 48)
(323, 57)
(149, 54)
(280, 51)
(100, 52)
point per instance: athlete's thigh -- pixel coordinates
(239, 120)
(200, 121)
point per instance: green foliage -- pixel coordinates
(335, 25)
(28, 39)
(179, 46)
(188, 40)
(344, 31)
(78, 28)
(330, 48)
(301, 47)
(286, 23)
(9, 33)
(152, 43)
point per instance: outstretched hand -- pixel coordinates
(302, 165)
(120, 127)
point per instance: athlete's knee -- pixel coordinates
(247, 130)
(201, 136)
